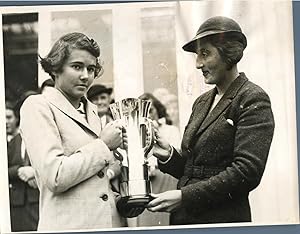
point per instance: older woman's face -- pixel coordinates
(77, 75)
(210, 62)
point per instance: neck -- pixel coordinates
(74, 101)
(228, 78)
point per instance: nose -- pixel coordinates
(199, 62)
(84, 73)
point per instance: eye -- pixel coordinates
(204, 54)
(76, 66)
(91, 69)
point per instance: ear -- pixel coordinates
(54, 75)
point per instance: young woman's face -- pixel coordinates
(11, 122)
(210, 62)
(76, 76)
(153, 113)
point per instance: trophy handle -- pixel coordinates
(147, 135)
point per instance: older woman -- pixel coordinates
(227, 139)
(61, 131)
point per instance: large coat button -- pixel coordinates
(104, 197)
(100, 174)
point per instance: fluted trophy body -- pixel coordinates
(135, 187)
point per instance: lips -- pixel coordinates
(82, 85)
(205, 73)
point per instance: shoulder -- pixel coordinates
(35, 103)
(34, 100)
(254, 92)
(15, 140)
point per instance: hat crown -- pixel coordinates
(98, 89)
(219, 23)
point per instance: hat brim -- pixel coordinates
(191, 46)
(97, 92)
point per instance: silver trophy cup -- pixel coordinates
(135, 188)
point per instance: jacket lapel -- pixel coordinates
(223, 103)
(199, 113)
(56, 98)
(92, 117)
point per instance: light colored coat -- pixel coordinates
(70, 161)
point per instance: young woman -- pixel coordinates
(227, 139)
(61, 131)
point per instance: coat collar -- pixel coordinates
(201, 118)
(224, 102)
(200, 111)
(57, 99)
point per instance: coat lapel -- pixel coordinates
(56, 98)
(223, 103)
(92, 117)
(199, 113)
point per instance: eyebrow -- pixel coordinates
(81, 63)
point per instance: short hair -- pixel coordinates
(62, 49)
(161, 109)
(47, 83)
(9, 105)
(229, 45)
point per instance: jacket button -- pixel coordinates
(100, 174)
(189, 150)
(104, 197)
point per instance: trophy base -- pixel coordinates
(132, 206)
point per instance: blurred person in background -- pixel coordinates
(49, 83)
(160, 182)
(12, 121)
(170, 101)
(23, 191)
(66, 146)
(100, 95)
(227, 140)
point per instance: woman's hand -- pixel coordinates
(26, 173)
(111, 134)
(165, 202)
(32, 183)
(161, 148)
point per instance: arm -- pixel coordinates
(41, 135)
(13, 163)
(174, 166)
(254, 132)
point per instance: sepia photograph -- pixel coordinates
(147, 116)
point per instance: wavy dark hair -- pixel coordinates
(161, 109)
(229, 45)
(62, 49)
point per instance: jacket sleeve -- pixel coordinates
(253, 136)
(175, 166)
(12, 165)
(41, 135)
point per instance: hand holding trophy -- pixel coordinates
(135, 188)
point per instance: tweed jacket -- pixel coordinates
(224, 153)
(70, 162)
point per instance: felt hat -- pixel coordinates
(98, 89)
(213, 26)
